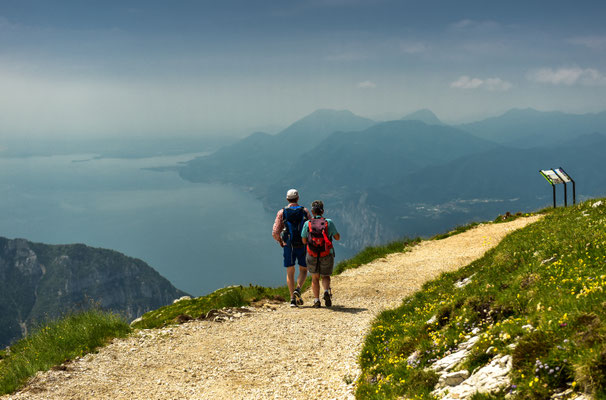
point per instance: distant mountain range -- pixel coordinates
(414, 176)
(530, 128)
(260, 159)
(40, 282)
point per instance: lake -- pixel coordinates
(199, 236)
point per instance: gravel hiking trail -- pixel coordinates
(271, 353)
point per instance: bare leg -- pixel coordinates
(302, 276)
(315, 285)
(290, 279)
(326, 282)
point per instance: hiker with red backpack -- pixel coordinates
(318, 233)
(287, 232)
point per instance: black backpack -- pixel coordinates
(294, 218)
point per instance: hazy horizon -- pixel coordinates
(195, 68)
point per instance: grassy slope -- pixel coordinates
(549, 275)
(233, 296)
(55, 343)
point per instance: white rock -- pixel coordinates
(597, 204)
(562, 395)
(432, 320)
(181, 299)
(548, 260)
(453, 378)
(528, 327)
(487, 379)
(449, 362)
(464, 282)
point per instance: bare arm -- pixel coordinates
(277, 228)
(337, 236)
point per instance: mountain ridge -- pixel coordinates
(424, 115)
(40, 281)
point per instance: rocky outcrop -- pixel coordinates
(40, 282)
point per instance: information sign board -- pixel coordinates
(551, 176)
(556, 176)
(563, 175)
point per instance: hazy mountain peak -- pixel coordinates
(327, 112)
(423, 115)
(323, 122)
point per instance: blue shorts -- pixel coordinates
(292, 255)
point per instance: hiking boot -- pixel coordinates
(317, 304)
(298, 298)
(327, 299)
(293, 303)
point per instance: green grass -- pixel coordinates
(234, 296)
(550, 275)
(374, 252)
(57, 342)
(456, 231)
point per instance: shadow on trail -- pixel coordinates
(349, 310)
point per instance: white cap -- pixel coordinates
(292, 194)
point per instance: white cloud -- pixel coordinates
(366, 85)
(568, 76)
(466, 82)
(497, 84)
(492, 84)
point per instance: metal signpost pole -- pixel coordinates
(554, 197)
(574, 189)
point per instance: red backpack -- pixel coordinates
(318, 244)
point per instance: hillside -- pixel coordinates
(272, 352)
(529, 128)
(482, 184)
(40, 282)
(260, 158)
(525, 321)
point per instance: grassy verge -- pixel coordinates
(374, 252)
(57, 342)
(456, 231)
(234, 296)
(538, 296)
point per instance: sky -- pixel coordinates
(160, 68)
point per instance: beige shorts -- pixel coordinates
(322, 265)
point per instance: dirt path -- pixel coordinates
(300, 353)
